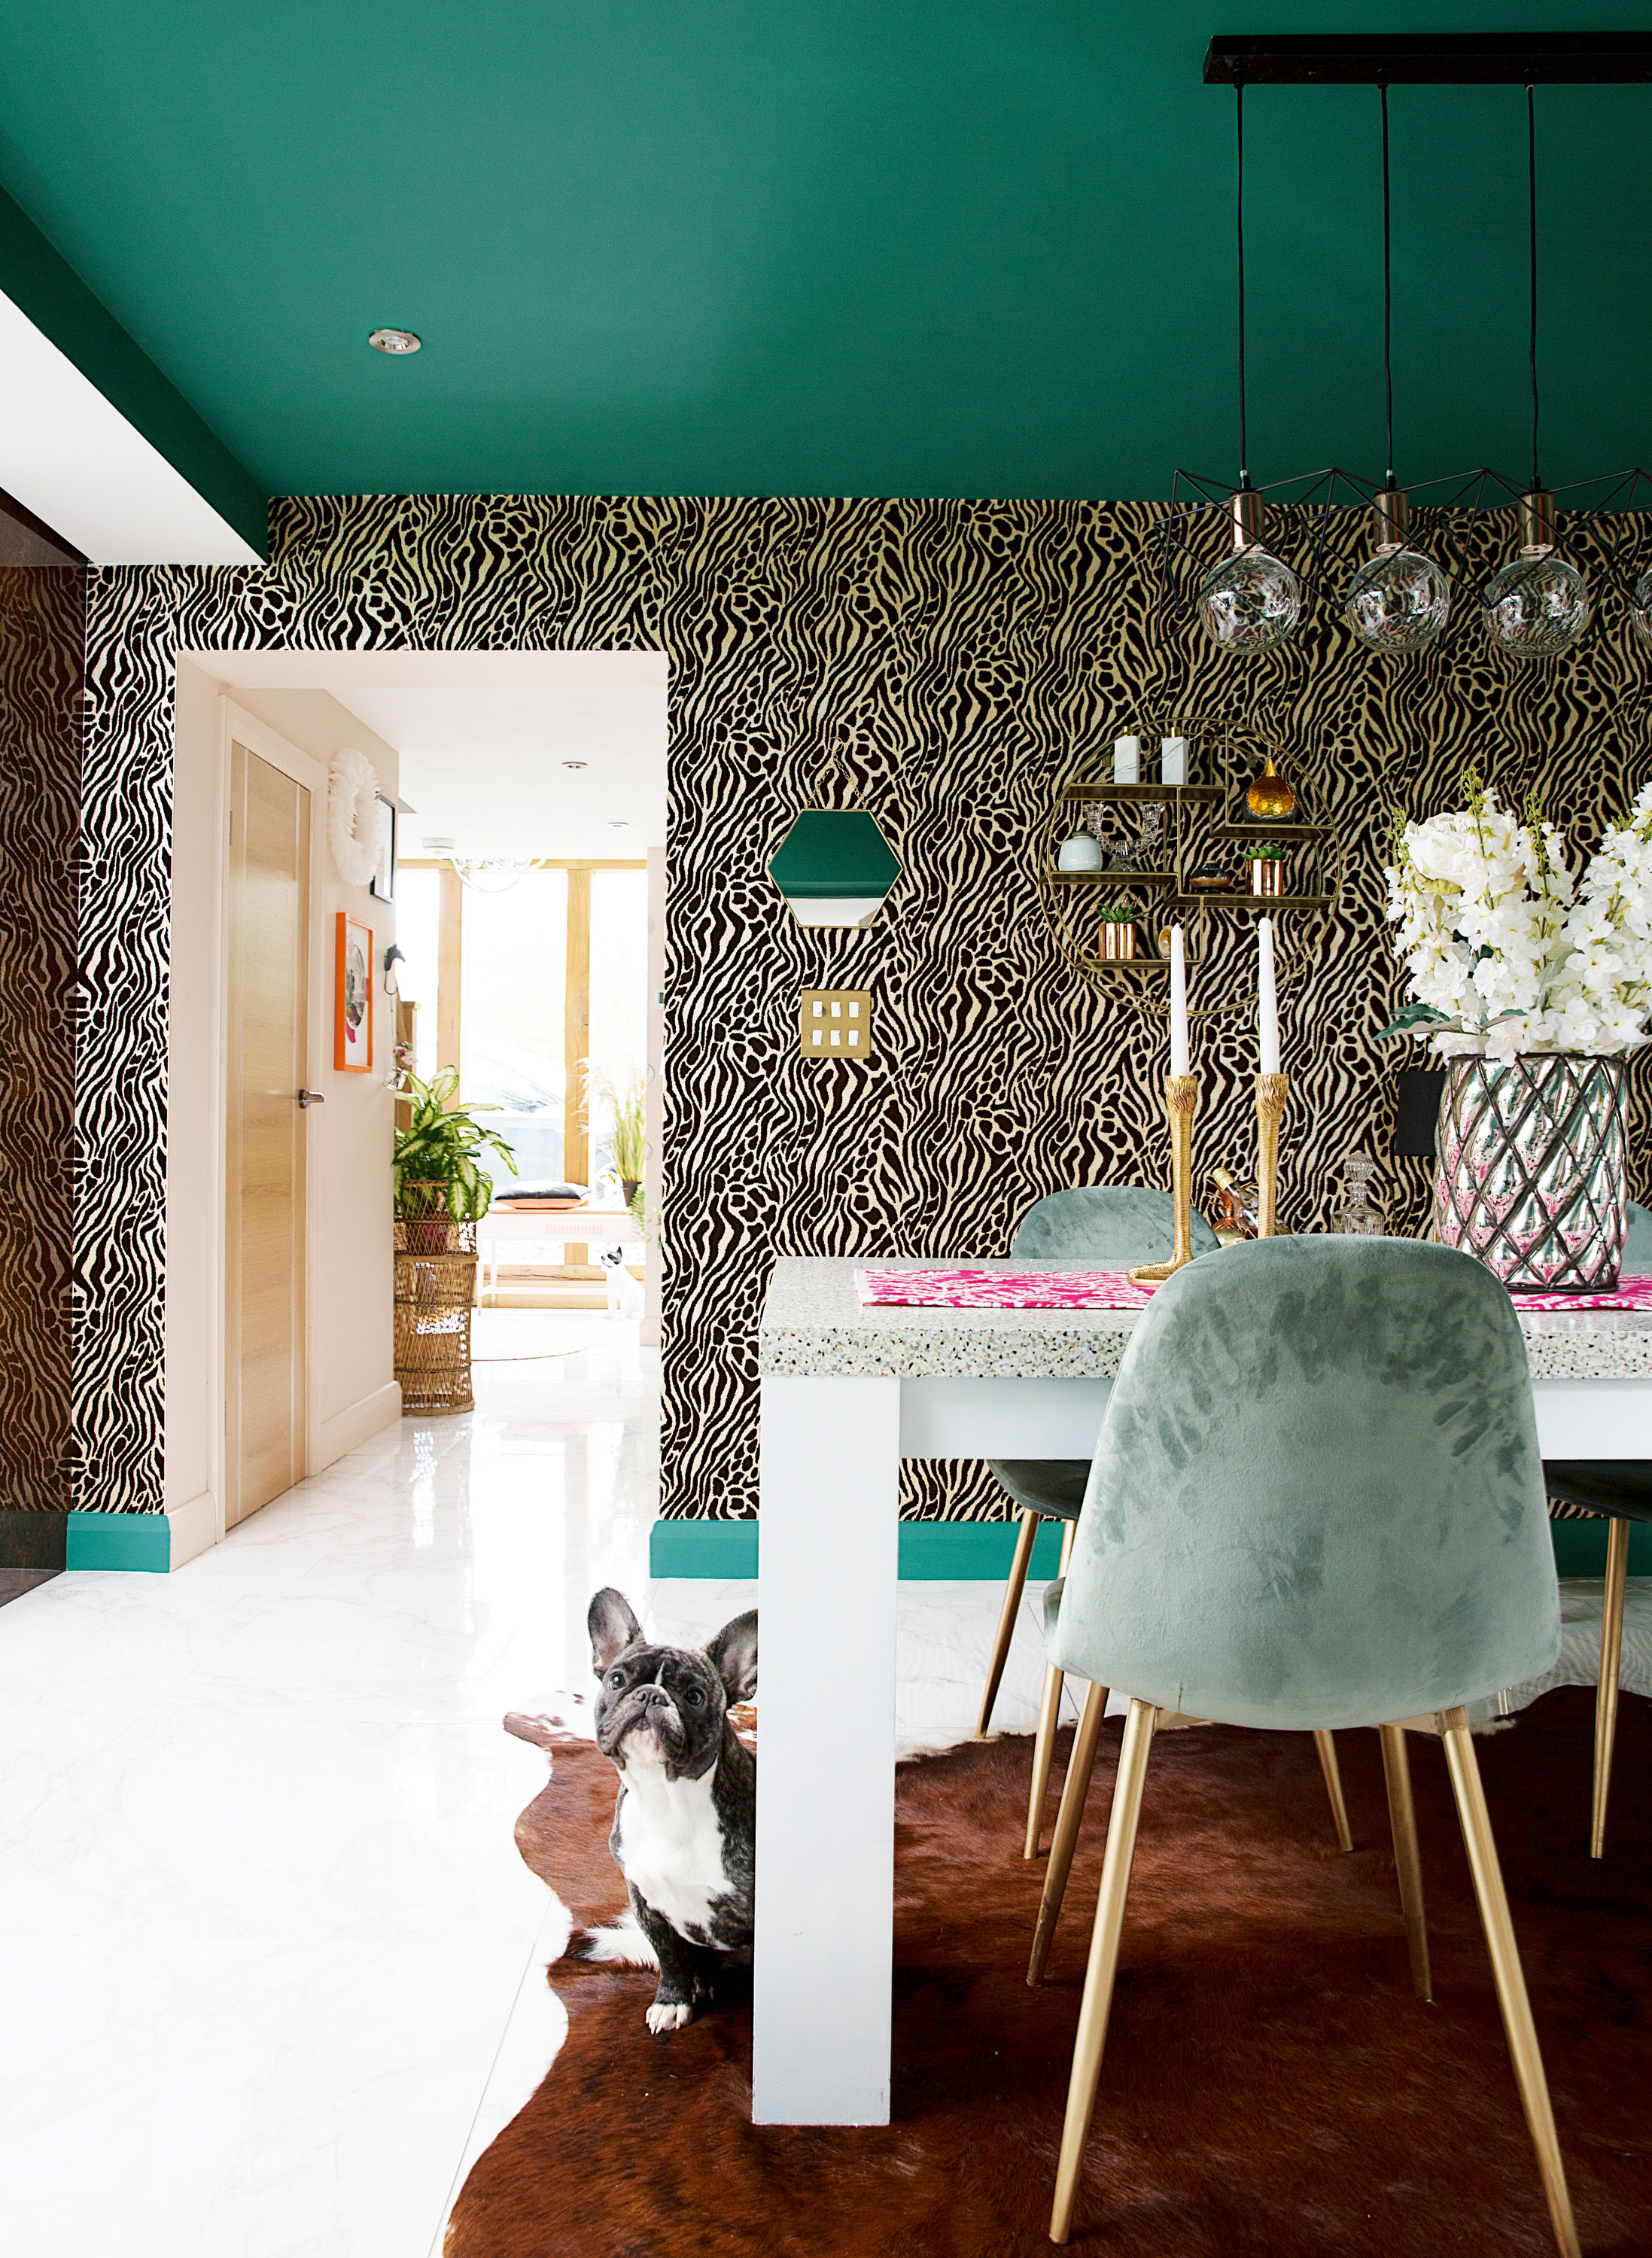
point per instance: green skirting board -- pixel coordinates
(934, 1551)
(140, 1542)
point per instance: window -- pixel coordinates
(511, 1055)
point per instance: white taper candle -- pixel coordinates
(1267, 1013)
(1178, 1004)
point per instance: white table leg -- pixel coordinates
(828, 1563)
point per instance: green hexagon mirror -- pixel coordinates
(835, 867)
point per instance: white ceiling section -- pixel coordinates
(74, 459)
(482, 736)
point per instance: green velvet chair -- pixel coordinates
(1098, 1227)
(1620, 1491)
(1316, 1500)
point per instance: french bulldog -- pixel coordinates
(686, 1819)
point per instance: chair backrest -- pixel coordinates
(1117, 1226)
(1317, 1499)
(1637, 1243)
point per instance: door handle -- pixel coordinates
(308, 1097)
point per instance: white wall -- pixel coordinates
(352, 1389)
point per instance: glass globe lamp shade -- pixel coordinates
(1640, 609)
(1249, 601)
(1536, 607)
(1397, 601)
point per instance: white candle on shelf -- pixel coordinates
(1267, 1007)
(1172, 761)
(1127, 761)
(1178, 1004)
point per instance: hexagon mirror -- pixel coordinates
(835, 867)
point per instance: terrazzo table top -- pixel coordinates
(813, 1327)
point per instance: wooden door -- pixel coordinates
(268, 1052)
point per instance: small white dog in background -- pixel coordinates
(625, 1295)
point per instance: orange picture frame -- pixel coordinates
(352, 1000)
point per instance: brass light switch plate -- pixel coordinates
(836, 1023)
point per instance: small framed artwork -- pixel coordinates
(352, 1022)
(384, 877)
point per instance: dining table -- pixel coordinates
(847, 1391)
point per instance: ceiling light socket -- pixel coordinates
(1247, 518)
(1390, 518)
(1537, 522)
(395, 341)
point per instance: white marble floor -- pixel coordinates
(271, 1970)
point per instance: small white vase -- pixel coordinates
(1080, 853)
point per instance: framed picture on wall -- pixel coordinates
(384, 877)
(353, 1019)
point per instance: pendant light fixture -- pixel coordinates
(1538, 605)
(1251, 600)
(1398, 600)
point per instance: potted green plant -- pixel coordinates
(437, 1177)
(1267, 869)
(625, 1104)
(1117, 932)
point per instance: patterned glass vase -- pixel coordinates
(1532, 1170)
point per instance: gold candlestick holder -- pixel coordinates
(1271, 1092)
(1181, 1103)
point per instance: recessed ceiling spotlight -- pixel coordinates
(436, 846)
(395, 341)
(619, 827)
(573, 765)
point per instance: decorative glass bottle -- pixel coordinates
(1358, 1216)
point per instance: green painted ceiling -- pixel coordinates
(880, 246)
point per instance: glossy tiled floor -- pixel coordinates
(271, 1969)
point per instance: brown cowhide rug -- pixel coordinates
(1271, 2085)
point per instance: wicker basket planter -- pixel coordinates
(436, 1289)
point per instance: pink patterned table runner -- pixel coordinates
(955, 1288)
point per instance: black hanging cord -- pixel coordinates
(1387, 290)
(1531, 182)
(1245, 473)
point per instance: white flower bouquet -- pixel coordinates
(1507, 957)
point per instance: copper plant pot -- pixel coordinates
(1267, 876)
(1118, 941)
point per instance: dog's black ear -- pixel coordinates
(733, 1653)
(612, 1625)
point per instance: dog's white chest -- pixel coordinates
(672, 1846)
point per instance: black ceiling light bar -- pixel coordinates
(1429, 59)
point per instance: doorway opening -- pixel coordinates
(511, 930)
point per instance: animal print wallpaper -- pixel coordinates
(42, 648)
(949, 666)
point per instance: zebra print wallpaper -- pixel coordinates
(948, 665)
(42, 649)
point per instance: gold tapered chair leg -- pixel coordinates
(1326, 1744)
(1506, 1972)
(1067, 1821)
(1013, 1590)
(1049, 1718)
(1098, 1981)
(1407, 1858)
(1606, 1692)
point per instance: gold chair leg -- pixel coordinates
(1407, 1858)
(1013, 1590)
(1506, 1973)
(1326, 1744)
(1049, 1718)
(1606, 1692)
(1067, 1821)
(1098, 1981)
